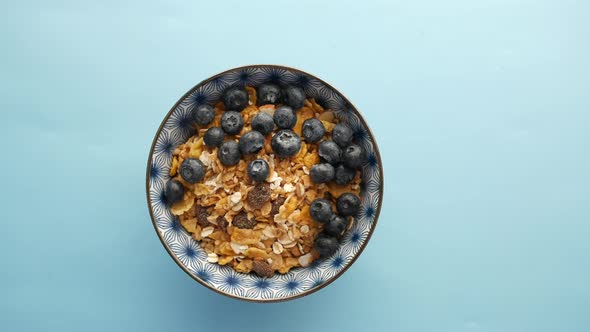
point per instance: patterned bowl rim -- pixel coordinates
(306, 292)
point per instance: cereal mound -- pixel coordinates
(256, 227)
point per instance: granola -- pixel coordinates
(263, 227)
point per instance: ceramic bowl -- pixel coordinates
(176, 128)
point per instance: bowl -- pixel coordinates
(176, 128)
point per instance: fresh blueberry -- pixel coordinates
(229, 153)
(192, 170)
(286, 143)
(342, 135)
(336, 225)
(203, 114)
(235, 99)
(313, 130)
(353, 156)
(251, 142)
(321, 173)
(263, 122)
(268, 94)
(294, 97)
(348, 204)
(284, 117)
(258, 170)
(232, 122)
(330, 152)
(344, 175)
(326, 245)
(321, 210)
(174, 191)
(214, 137)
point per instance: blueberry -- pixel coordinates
(258, 170)
(293, 96)
(348, 204)
(325, 245)
(263, 122)
(284, 117)
(232, 122)
(342, 135)
(174, 191)
(251, 142)
(335, 226)
(313, 130)
(321, 173)
(268, 94)
(321, 210)
(286, 143)
(353, 156)
(214, 136)
(203, 114)
(344, 175)
(330, 152)
(229, 153)
(235, 99)
(192, 170)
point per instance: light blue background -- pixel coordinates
(481, 110)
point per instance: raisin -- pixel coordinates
(263, 269)
(222, 223)
(202, 215)
(241, 221)
(276, 204)
(258, 196)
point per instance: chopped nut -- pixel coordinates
(238, 248)
(304, 229)
(235, 198)
(237, 207)
(207, 231)
(212, 257)
(288, 188)
(277, 248)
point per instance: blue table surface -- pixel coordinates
(481, 110)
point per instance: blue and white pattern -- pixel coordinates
(192, 258)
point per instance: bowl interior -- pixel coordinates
(176, 129)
